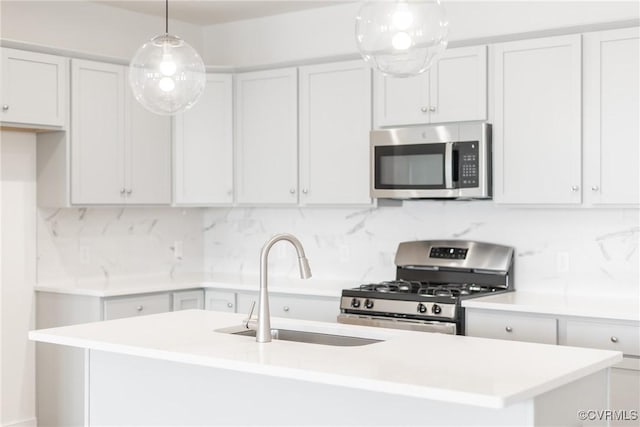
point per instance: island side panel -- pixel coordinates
(136, 391)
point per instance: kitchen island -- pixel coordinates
(177, 369)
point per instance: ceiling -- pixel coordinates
(208, 12)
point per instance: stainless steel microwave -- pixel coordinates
(431, 162)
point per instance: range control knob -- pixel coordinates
(368, 303)
(436, 309)
(422, 308)
(355, 303)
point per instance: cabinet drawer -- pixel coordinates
(307, 308)
(117, 308)
(606, 336)
(188, 300)
(220, 301)
(509, 326)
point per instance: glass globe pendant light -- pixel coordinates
(401, 38)
(166, 74)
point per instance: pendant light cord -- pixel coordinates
(166, 16)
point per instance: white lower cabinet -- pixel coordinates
(515, 327)
(187, 300)
(621, 336)
(217, 300)
(323, 309)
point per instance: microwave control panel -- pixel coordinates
(468, 167)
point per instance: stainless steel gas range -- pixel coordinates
(432, 278)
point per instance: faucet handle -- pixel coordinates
(249, 323)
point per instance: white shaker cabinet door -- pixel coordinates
(97, 133)
(459, 86)
(147, 156)
(335, 121)
(611, 109)
(204, 147)
(537, 123)
(266, 137)
(34, 88)
(401, 101)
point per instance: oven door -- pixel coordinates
(393, 323)
(412, 169)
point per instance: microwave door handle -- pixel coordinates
(448, 164)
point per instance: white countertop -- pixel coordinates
(562, 305)
(132, 285)
(489, 373)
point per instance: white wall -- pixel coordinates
(85, 26)
(18, 241)
(329, 31)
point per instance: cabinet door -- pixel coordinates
(97, 133)
(147, 155)
(266, 137)
(537, 124)
(510, 326)
(335, 120)
(611, 108)
(186, 300)
(459, 86)
(120, 307)
(401, 101)
(204, 147)
(216, 300)
(34, 88)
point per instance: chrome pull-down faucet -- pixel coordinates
(263, 329)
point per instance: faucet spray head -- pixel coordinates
(305, 270)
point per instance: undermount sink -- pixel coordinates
(304, 336)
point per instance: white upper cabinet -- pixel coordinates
(611, 112)
(537, 121)
(335, 120)
(120, 152)
(266, 137)
(453, 89)
(204, 147)
(34, 89)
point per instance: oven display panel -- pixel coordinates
(448, 253)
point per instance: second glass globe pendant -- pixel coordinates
(166, 74)
(401, 38)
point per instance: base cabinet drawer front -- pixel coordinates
(117, 308)
(606, 336)
(323, 309)
(187, 300)
(220, 301)
(509, 326)
(307, 308)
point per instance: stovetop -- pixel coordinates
(421, 291)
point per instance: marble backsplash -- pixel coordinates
(102, 242)
(557, 250)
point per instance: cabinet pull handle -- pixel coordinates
(292, 191)
(595, 188)
(230, 305)
(575, 188)
(129, 191)
(5, 107)
(285, 308)
(424, 109)
(122, 191)
(614, 339)
(140, 308)
(432, 109)
(508, 329)
(305, 191)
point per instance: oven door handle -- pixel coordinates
(405, 324)
(448, 164)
